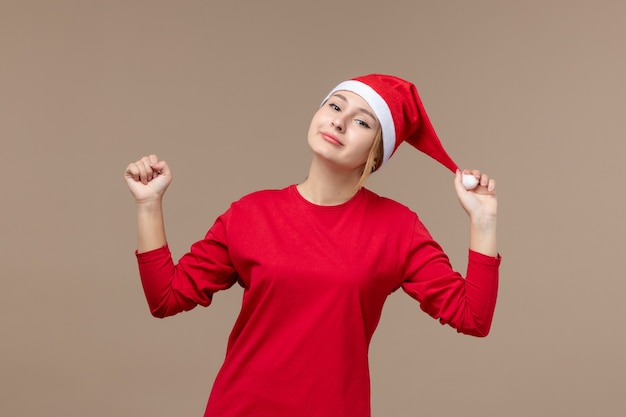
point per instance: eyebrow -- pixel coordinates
(369, 113)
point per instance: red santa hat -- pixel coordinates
(401, 114)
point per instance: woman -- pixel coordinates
(318, 259)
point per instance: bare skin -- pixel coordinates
(148, 179)
(481, 205)
(341, 134)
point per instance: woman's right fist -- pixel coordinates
(148, 178)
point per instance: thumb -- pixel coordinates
(458, 182)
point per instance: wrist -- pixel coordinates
(483, 236)
(483, 224)
(149, 205)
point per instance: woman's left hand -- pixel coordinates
(480, 203)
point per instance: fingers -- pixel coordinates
(153, 160)
(146, 169)
(484, 182)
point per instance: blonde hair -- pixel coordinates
(374, 159)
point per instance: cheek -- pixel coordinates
(313, 129)
(366, 143)
(316, 121)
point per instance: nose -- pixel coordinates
(337, 124)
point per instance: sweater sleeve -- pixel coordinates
(467, 304)
(207, 268)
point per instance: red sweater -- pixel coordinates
(315, 279)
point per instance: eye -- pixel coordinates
(334, 106)
(364, 124)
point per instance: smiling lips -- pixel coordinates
(332, 139)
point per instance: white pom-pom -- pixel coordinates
(469, 181)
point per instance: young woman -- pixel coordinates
(318, 259)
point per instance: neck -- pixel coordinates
(326, 186)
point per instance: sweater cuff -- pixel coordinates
(153, 255)
(484, 259)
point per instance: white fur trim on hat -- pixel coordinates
(380, 107)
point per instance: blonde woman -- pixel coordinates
(318, 259)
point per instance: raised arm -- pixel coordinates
(481, 206)
(172, 288)
(148, 179)
(465, 304)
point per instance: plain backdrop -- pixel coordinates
(531, 92)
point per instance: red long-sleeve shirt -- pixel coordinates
(315, 280)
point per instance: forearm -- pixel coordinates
(483, 236)
(150, 226)
(481, 205)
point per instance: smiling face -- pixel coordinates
(342, 131)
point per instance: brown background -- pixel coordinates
(531, 92)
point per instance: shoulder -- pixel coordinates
(391, 214)
(400, 216)
(398, 223)
(387, 205)
(253, 207)
(261, 198)
(264, 195)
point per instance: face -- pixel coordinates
(342, 131)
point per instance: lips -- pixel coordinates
(331, 138)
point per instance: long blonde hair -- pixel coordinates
(374, 159)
